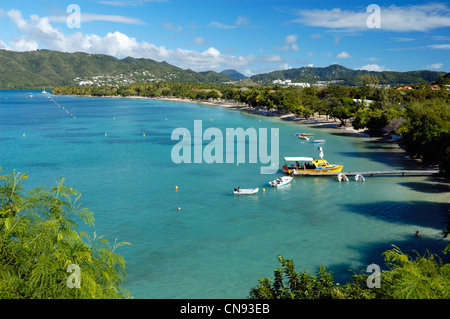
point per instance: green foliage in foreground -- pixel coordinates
(39, 240)
(425, 277)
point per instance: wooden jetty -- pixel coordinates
(373, 173)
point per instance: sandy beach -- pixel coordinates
(316, 120)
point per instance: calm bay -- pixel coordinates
(201, 241)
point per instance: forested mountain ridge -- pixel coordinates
(35, 69)
(337, 74)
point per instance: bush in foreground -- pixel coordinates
(425, 277)
(41, 249)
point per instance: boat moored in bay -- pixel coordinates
(245, 191)
(281, 181)
(309, 166)
(303, 137)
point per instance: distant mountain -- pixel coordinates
(234, 74)
(445, 79)
(343, 76)
(35, 69)
(214, 77)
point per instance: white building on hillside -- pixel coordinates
(290, 83)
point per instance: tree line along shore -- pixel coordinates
(419, 114)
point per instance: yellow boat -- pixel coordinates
(309, 166)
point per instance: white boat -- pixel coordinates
(359, 177)
(44, 91)
(319, 141)
(281, 181)
(302, 137)
(245, 191)
(342, 177)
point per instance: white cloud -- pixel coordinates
(439, 46)
(240, 21)
(421, 17)
(291, 39)
(199, 41)
(343, 55)
(24, 44)
(435, 66)
(402, 39)
(220, 25)
(39, 33)
(290, 43)
(171, 27)
(440, 37)
(91, 17)
(373, 67)
(272, 58)
(127, 3)
(284, 66)
(4, 46)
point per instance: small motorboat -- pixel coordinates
(281, 181)
(309, 166)
(359, 177)
(302, 137)
(245, 191)
(342, 177)
(319, 141)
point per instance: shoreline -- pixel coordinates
(315, 120)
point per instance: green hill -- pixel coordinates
(35, 69)
(343, 76)
(234, 74)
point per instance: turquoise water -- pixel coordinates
(217, 245)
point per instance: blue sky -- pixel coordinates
(250, 36)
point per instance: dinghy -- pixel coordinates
(359, 177)
(342, 177)
(281, 181)
(245, 191)
(302, 137)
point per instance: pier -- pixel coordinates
(373, 173)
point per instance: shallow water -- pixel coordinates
(218, 244)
